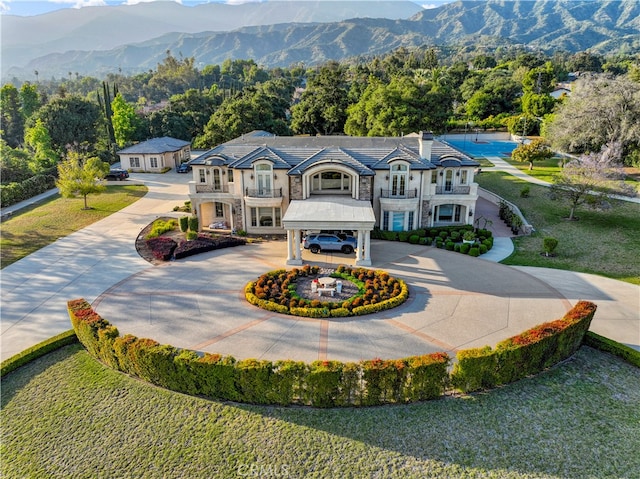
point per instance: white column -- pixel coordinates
(297, 252)
(364, 243)
(367, 246)
(289, 247)
(293, 247)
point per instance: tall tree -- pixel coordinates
(80, 176)
(601, 109)
(124, 120)
(11, 117)
(70, 121)
(38, 141)
(255, 109)
(323, 104)
(29, 99)
(592, 179)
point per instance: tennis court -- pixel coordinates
(483, 148)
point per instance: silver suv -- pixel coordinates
(328, 242)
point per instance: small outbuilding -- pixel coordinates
(155, 155)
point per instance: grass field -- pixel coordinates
(56, 217)
(600, 242)
(66, 415)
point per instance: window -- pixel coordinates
(398, 220)
(448, 180)
(266, 217)
(219, 210)
(217, 183)
(464, 177)
(135, 162)
(434, 177)
(399, 180)
(203, 177)
(263, 179)
(153, 161)
(449, 213)
(230, 176)
(331, 182)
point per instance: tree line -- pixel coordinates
(398, 93)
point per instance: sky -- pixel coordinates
(35, 7)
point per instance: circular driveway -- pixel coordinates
(456, 302)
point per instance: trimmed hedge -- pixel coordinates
(37, 351)
(525, 354)
(447, 237)
(332, 383)
(15, 192)
(276, 291)
(320, 384)
(607, 345)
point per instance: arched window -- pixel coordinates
(331, 182)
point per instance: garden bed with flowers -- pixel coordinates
(363, 291)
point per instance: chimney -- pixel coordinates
(425, 143)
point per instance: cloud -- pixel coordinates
(81, 3)
(135, 2)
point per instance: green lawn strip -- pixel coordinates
(40, 225)
(542, 170)
(66, 415)
(600, 242)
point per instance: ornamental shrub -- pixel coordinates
(414, 239)
(184, 223)
(475, 251)
(193, 223)
(449, 245)
(403, 236)
(464, 248)
(483, 248)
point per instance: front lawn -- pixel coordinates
(600, 242)
(66, 415)
(42, 224)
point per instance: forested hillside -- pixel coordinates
(605, 27)
(405, 91)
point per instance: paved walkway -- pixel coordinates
(456, 301)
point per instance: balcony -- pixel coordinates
(263, 193)
(407, 194)
(453, 190)
(204, 188)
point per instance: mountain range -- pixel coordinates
(132, 39)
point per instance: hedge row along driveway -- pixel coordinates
(328, 383)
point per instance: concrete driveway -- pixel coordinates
(456, 301)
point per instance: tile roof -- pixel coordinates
(156, 145)
(298, 153)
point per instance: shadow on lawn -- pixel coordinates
(546, 425)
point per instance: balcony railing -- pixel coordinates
(263, 193)
(204, 188)
(453, 190)
(407, 194)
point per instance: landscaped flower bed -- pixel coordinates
(165, 249)
(278, 291)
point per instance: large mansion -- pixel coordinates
(266, 184)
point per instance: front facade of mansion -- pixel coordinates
(265, 184)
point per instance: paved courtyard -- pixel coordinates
(455, 302)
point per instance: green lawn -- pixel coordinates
(43, 223)
(65, 415)
(600, 242)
